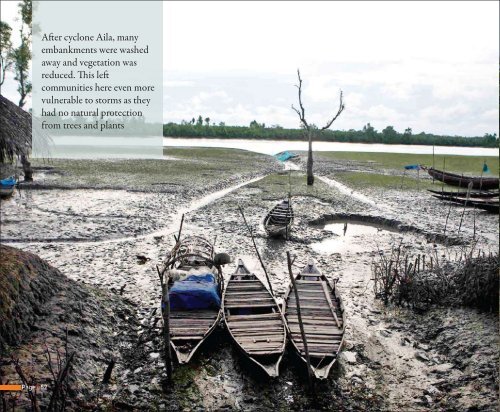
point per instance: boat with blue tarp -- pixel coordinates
(7, 186)
(195, 286)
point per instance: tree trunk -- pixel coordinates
(310, 176)
(28, 172)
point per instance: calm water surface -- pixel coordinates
(92, 147)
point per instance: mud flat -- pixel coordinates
(93, 225)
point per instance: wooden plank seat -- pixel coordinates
(259, 316)
(320, 354)
(195, 314)
(319, 322)
(237, 323)
(230, 300)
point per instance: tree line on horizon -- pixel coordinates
(201, 127)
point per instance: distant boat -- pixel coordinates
(478, 183)
(284, 156)
(7, 186)
(489, 204)
(254, 320)
(481, 194)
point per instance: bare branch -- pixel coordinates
(340, 110)
(296, 111)
(302, 112)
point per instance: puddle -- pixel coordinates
(350, 237)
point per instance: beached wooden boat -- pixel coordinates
(489, 204)
(278, 222)
(480, 194)
(478, 183)
(322, 317)
(254, 320)
(195, 285)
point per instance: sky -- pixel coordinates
(430, 66)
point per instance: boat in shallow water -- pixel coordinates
(254, 320)
(322, 317)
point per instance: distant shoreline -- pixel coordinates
(368, 135)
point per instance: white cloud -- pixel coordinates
(178, 83)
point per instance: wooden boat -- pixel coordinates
(322, 317)
(488, 204)
(254, 320)
(481, 194)
(479, 183)
(278, 222)
(7, 187)
(189, 328)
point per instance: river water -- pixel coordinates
(275, 146)
(93, 147)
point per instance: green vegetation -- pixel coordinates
(472, 165)
(277, 185)
(192, 167)
(363, 180)
(17, 59)
(368, 135)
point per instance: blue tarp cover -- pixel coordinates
(196, 292)
(412, 167)
(284, 156)
(10, 181)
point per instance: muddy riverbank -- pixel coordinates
(92, 225)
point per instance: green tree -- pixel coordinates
(199, 122)
(22, 54)
(22, 57)
(389, 134)
(408, 132)
(369, 131)
(207, 121)
(5, 50)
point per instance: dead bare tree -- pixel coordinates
(311, 129)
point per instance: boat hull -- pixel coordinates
(478, 183)
(254, 320)
(278, 222)
(323, 329)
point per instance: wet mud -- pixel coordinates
(393, 358)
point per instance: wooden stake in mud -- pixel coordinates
(299, 316)
(178, 237)
(469, 188)
(433, 162)
(256, 250)
(442, 183)
(165, 312)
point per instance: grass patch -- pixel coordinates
(192, 166)
(364, 180)
(458, 164)
(277, 186)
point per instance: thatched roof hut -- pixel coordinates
(15, 131)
